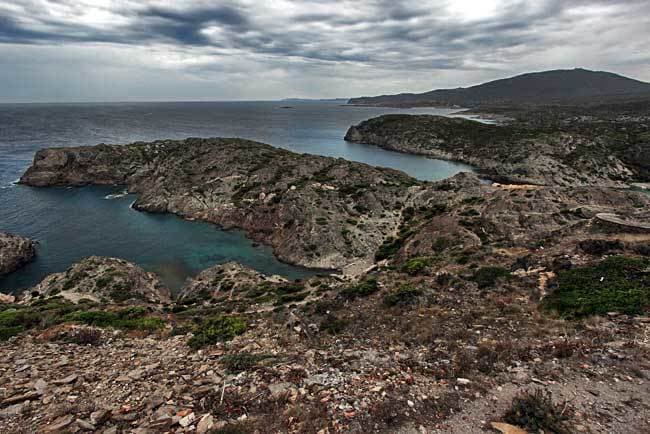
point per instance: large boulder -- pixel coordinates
(15, 251)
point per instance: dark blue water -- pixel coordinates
(70, 224)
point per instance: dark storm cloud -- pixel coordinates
(288, 38)
(185, 26)
(364, 31)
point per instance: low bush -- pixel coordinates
(129, 319)
(536, 412)
(333, 325)
(218, 328)
(617, 284)
(486, 277)
(362, 289)
(389, 248)
(236, 363)
(404, 296)
(415, 265)
(600, 247)
(8, 332)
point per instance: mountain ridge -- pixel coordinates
(560, 86)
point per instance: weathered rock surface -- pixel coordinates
(462, 211)
(15, 251)
(225, 280)
(105, 280)
(510, 153)
(314, 211)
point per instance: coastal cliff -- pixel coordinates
(102, 280)
(314, 211)
(506, 153)
(15, 251)
(481, 287)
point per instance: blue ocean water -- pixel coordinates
(70, 224)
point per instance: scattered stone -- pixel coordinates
(205, 424)
(59, 424)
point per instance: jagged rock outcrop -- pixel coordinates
(103, 280)
(225, 280)
(15, 251)
(314, 211)
(462, 213)
(503, 153)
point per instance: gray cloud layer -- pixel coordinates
(130, 49)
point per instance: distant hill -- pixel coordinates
(564, 86)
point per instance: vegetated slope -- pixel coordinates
(557, 86)
(514, 153)
(315, 211)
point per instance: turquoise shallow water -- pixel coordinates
(81, 222)
(70, 224)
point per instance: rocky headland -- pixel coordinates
(102, 280)
(516, 306)
(474, 312)
(15, 251)
(314, 211)
(514, 153)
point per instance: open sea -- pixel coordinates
(72, 223)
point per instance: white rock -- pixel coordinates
(187, 420)
(205, 424)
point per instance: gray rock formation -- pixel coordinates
(224, 280)
(15, 251)
(314, 211)
(503, 153)
(104, 280)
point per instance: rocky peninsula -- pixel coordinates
(15, 251)
(463, 306)
(314, 211)
(512, 153)
(102, 280)
(473, 310)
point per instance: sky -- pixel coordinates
(139, 50)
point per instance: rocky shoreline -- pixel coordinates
(510, 153)
(463, 307)
(314, 211)
(15, 252)
(453, 323)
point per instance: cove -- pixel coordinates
(70, 224)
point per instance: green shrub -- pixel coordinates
(389, 248)
(617, 284)
(289, 288)
(7, 332)
(236, 363)
(129, 319)
(362, 289)
(441, 243)
(486, 277)
(94, 318)
(289, 298)
(537, 413)
(415, 265)
(403, 296)
(219, 328)
(333, 325)
(20, 317)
